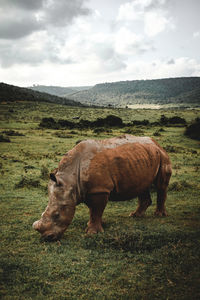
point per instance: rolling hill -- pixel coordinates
(185, 90)
(11, 93)
(58, 90)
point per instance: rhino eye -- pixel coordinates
(56, 216)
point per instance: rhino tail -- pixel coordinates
(164, 173)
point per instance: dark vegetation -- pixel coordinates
(12, 133)
(4, 139)
(172, 121)
(109, 121)
(193, 130)
(135, 258)
(11, 93)
(184, 90)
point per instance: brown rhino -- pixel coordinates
(96, 171)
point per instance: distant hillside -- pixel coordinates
(158, 91)
(9, 93)
(58, 90)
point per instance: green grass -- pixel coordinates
(145, 258)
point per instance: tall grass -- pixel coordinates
(145, 258)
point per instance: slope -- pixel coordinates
(58, 90)
(158, 91)
(10, 93)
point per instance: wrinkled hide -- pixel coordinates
(94, 172)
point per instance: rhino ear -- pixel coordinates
(53, 177)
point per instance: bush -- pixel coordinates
(177, 120)
(193, 130)
(84, 124)
(98, 130)
(173, 120)
(113, 121)
(27, 182)
(48, 123)
(180, 186)
(144, 122)
(134, 131)
(12, 133)
(44, 172)
(157, 133)
(65, 124)
(4, 139)
(173, 149)
(109, 121)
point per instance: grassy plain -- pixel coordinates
(145, 258)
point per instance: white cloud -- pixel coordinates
(40, 31)
(196, 34)
(155, 22)
(128, 43)
(152, 13)
(20, 18)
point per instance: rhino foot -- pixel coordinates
(92, 229)
(161, 213)
(136, 214)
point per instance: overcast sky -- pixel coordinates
(84, 42)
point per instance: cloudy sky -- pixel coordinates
(84, 42)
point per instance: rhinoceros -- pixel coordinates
(96, 171)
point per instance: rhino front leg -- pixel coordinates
(144, 201)
(96, 204)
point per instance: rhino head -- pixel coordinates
(59, 211)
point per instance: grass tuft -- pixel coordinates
(27, 182)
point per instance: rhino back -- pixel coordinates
(125, 170)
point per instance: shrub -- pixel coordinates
(164, 120)
(177, 120)
(134, 131)
(173, 149)
(173, 120)
(65, 124)
(113, 121)
(109, 121)
(73, 132)
(144, 122)
(48, 123)
(156, 133)
(4, 139)
(193, 130)
(12, 133)
(27, 182)
(180, 185)
(44, 172)
(98, 130)
(84, 124)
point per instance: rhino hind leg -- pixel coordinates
(161, 197)
(144, 201)
(96, 204)
(162, 185)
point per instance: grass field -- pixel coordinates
(144, 258)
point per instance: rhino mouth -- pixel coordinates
(51, 237)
